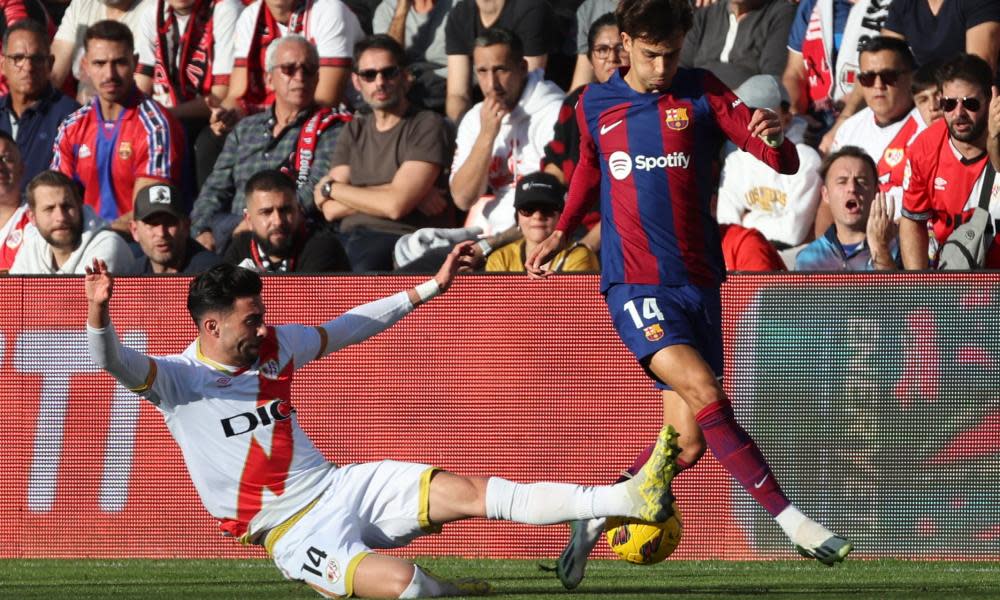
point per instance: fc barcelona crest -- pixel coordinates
(654, 332)
(893, 156)
(677, 118)
(125, 150)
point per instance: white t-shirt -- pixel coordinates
(781, 207)
(81, 14)
(329, 24)
(224, 17)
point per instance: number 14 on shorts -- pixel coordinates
(650, 312)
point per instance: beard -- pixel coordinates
(72, 243)
(282, 250)
(978, 127)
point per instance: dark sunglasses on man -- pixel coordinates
(970, 104)
(369, 75)
(290, 69)
(888, 77)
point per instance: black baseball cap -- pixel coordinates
(540, 189)
(158, 198)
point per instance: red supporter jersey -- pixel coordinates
(108, 156)
(746, 249)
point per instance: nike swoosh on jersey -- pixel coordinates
(607, 128)
(761, 482)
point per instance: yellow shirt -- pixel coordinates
(510, 259)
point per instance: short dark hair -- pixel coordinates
(380, 42)
(8, 138)
(654, 20)
(31, 26)
(847, 152)
(269, 180)
(881, 43)
(970, 68)
(54, 179)
(925, 77)
(498, 35)
(218, 288)
(111, 31)
(605, 20)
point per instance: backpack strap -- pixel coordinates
(989, 176)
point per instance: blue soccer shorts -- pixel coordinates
(649, 318)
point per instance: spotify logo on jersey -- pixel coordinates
(620, 164)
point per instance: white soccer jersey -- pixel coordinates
(886, 145)
(251, 463)
(861, 130)
(329, 24)
(237, 429)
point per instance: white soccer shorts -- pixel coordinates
(367, 506)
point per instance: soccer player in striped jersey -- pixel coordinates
(649, 136)
(227, 403)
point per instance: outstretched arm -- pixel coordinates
(368, 320)
(132, 369)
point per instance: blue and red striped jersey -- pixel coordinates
(651, 156)
(106, 157)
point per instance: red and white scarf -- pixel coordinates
(298, 164)
(190, 74)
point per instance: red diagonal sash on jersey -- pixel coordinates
(892, 163)
(261, 469)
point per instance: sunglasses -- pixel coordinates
(369, 75)
(970, 104)
(888, 77)
(290, 69)
(527, 211)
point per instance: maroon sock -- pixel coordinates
(644, 456)
(739, 454)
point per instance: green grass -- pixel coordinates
(513, 579)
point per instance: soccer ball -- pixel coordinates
(644, 543)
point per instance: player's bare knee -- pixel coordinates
(704, 394)
(456, 497)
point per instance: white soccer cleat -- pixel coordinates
(812, 540)
(572, 562)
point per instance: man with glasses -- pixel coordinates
(385, 165)
(294, 135)
(121, 137)
(890, 121)
(946, 164)
(328, 24)
(32, 111)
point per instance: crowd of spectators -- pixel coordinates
(165, 136)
